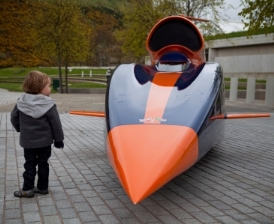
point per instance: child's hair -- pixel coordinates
(35, 82)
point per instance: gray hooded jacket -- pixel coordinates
(37, 120)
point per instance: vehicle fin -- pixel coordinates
(88, 113)
(238, 116)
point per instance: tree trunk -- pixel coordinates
(60, 74)
(66, 77)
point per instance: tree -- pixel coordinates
(104, 21)
(258, 14)
(205, 9)
(62, 32)
(16, 45)
(141, 15)
(139, 18)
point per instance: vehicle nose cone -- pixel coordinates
(147, 156)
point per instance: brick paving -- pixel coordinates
(233, 183)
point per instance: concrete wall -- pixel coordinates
(244, 56)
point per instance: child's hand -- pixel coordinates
(59, 144)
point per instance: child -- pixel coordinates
(36, 118)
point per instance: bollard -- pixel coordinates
(90, 73)
(82, 73)
(108, 73)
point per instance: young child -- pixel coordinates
(36, 118)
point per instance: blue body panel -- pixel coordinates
(190, 106)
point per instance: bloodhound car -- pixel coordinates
(164, 117)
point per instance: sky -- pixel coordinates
(233, 13)
(234, 23)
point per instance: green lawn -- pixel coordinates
(86, 85)
(17, 87)
(245, 80)
(14, 87)
(50, 71)
(12, 78)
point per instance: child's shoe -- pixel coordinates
(36, 190)
(24, 194)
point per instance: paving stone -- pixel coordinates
(12, 204)
(63, 204)
(123, 213)
(73, 191)
(89, 193)
(30, 208)
(107, 195)
(45, 200)
(52, 219)
(180, 214)
(109, 219)
(243, 208)
(48, 210)
(13, 221)
(67, 213)
(146, 217)
(220, 205)
(250, 221)
(12, 213)
(72, 221)
(261, 218)
(167, 219)
(95, 201)
(82, 207)
(101, 209)
(203, 217)
(227, 219)
(135, 208)
(60, 196)
(191, 221)
(131, 221)
(213, 211)
(88, 217)
(190, 207)
(30, 217)
(77, 198)
(236, 215)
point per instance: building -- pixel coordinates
(251, 58)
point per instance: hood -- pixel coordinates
(34, 105)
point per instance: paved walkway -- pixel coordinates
(233, 183)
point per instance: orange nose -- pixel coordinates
(147, 156)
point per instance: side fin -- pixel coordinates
(88, 113)
(238, 116)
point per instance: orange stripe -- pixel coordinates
(160, 91)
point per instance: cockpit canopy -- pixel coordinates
(175, 35)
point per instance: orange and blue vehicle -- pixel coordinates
(164, 117)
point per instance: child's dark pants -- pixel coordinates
(34, 157)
